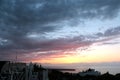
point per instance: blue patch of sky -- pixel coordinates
(88, 27)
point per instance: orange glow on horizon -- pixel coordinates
(99, 54)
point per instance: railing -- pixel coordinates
(19, 76)
(14, 76)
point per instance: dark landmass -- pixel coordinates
(57, 75)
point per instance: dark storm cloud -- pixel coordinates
(20, 17)
(109, 32)
(112, 31)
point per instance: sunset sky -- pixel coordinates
(60, 31)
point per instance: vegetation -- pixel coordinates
(56, 75)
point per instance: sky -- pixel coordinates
(60, 31)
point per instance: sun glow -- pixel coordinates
(102, 53)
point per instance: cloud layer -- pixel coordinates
(24, 24)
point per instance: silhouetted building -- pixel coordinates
(90, 72)
(4, 64)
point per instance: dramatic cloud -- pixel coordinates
(24, 24)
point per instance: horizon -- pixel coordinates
(103, 67)
(61, 32)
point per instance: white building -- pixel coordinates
(90, 72)
(19, 71)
